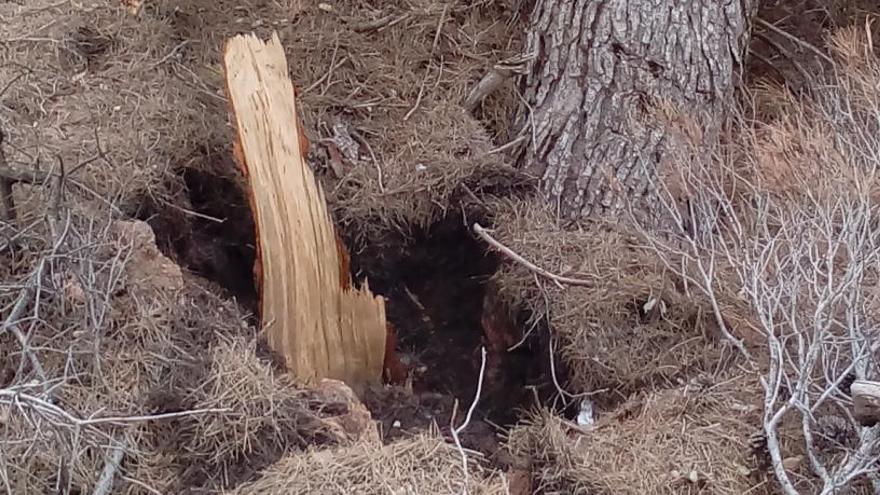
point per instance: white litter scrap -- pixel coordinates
(585, 416)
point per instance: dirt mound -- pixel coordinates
(134, 352)
(419, 465)
(691, 439)
(629, 325)
(135, 105)
(133, 109)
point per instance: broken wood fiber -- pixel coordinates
(314, 317)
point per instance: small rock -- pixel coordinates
(519, 482)
(356, 424)
(147, 269)
(791, 463)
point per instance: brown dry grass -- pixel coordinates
(128, 102)
(818, 154)
(689, 439)
(423, 464)
(605, 339)
(148, 90)
(113, 345)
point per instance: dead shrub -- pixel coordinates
(791, 224)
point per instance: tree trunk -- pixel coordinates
(599, 66)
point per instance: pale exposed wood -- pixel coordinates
(322, 329)
(866, 402)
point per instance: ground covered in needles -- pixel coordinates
(619, 358)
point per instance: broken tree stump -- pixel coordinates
(866, 402)
(321, 325)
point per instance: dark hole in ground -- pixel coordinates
(204, 223)
(441, 302)
(436, 281)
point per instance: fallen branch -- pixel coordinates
(510, 253)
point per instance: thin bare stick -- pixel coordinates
(489, 83)
(11, 322)
(19, 398)
(327, 74)
(467, 420)
(114, 459)
(510, 253)
(371, 25)
(376, 164)
(795, 39)
(191, 212)
(507, 146)
(785, 53)
(7, 202)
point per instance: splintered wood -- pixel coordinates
(315, 318)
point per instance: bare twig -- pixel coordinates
(785, 53)
(35, 177)
(25, 297)
(40, 405)
(507, 146)
(795, 39)
(371, 25)
(380, 174)
(456, 431)
(114, 459)
(484, 234)
(487, 85)
(7, 202)
(333, 66)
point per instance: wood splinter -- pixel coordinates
(314, 317)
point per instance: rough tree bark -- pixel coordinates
(599, 66)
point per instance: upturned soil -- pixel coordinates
(150, 301)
